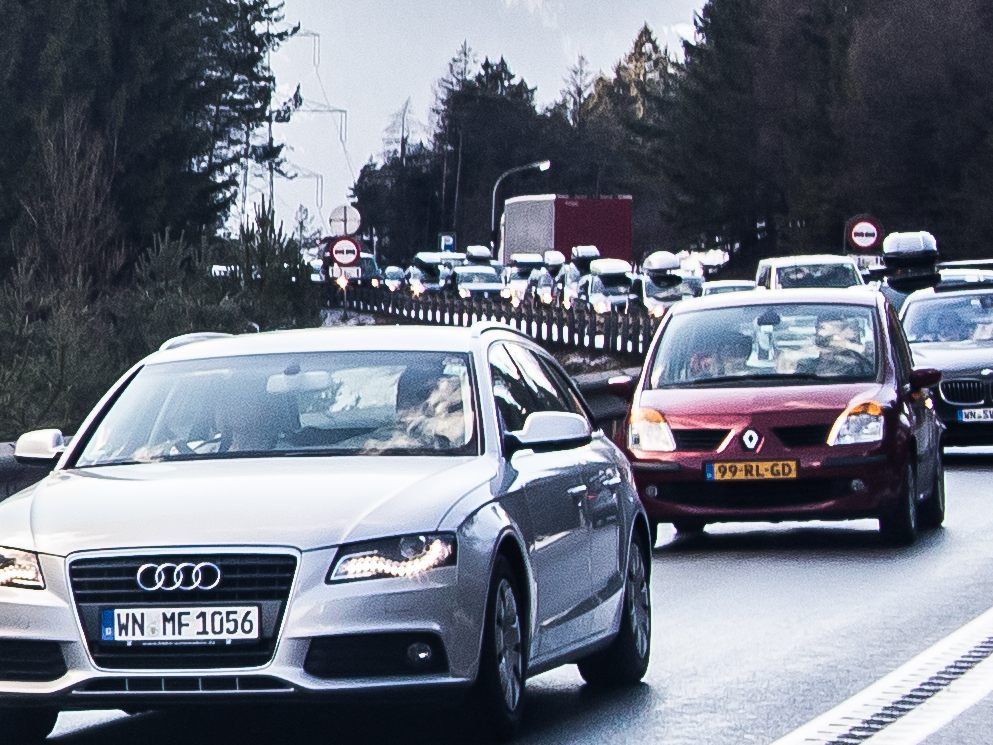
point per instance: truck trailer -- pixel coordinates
(536, 223)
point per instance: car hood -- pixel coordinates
(783, 404)
(301, 502)
(954, 356)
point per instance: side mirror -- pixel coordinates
(622, 386)
(40, 447)
(549, 430)
(924, 377)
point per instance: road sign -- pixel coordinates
(345, 220)
(863, 234)
(345, 251)
(446, 242)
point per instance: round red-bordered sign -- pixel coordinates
(345, 251)
(864, 234)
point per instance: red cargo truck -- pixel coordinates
(536, 223)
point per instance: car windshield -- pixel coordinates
(477, 275)
(950, 318)
(686, 287)
(818, 275)
(330, 403)
(611, 284)
(798, 343)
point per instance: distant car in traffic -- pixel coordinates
(607, 288)
(721, 286)
(950, 327)
(480, 281)
(292, 516)
(786, 405)
(517, 276)
(811, 271)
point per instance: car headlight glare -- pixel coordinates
(860, 423)
(649, 431)
(464, 293)
(20, 569)
(602, 307)
(408, 556)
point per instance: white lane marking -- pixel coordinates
(925, 718)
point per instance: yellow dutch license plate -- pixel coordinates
(752, 470)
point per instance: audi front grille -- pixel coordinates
(963, 392)
(107, 583)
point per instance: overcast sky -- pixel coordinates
(375, 54)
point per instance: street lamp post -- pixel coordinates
(540, 165)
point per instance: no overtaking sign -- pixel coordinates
(345, 251)
(863, 234)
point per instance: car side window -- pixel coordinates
(514, 399)
(546, 394)
(762, 280)
(566, 390)
(903, 355)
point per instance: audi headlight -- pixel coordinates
(408, 556)
(20, 569)
(860, 423)
(650, 431)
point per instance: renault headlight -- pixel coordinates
(20, 569)
(860, 423)
(649, 431)
(408, 556)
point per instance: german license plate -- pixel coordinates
(218, 623)
(752, 470)
(975, 415)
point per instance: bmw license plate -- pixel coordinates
(975, 415)
(204, 624)
(751, 470)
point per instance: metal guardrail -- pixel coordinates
(577, 328)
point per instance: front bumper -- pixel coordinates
(842, 483)
(348, 638)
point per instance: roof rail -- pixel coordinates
(481, 327)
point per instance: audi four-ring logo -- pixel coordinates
(185, 576)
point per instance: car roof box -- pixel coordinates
(910, 250)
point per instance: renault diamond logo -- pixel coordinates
(186, 576)
(750, 439)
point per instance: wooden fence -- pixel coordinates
(578, 328)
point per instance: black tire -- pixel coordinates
(501, 706)
(899, 524)
(625, 661)
(931, 513)
(27, 726)
(689, 527)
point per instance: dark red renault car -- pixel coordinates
(787, 405)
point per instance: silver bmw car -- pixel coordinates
(287, 515)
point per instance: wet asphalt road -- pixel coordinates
(757, 629)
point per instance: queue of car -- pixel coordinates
(602, 285)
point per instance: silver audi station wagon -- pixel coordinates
(278, 516)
